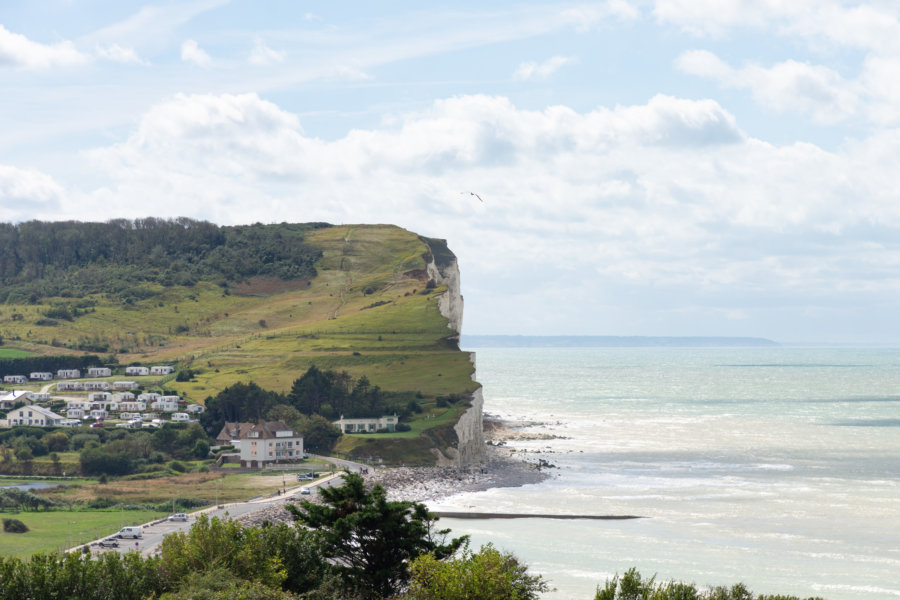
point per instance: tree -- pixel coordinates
(371, 539)
(319, 434)
(487, 575)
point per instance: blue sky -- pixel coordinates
(667, 167)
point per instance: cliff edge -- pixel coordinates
(443, 269)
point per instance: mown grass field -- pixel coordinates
(56, 530)
(13, 353)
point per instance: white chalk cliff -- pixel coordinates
(469, 429)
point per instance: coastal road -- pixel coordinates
(155, 531)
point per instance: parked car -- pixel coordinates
(305, 476)
(109, 542)
(135, 531)
(178, 517)
(304, 491)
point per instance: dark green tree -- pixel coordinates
(372, 539)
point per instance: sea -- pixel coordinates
(776, 467)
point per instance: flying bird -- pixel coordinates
(473, 194)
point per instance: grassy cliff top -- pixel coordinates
(361, 305)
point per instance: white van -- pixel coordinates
(131, 532)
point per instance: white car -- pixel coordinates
(178, 517)
(304, 491)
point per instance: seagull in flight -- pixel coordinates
(473, 194)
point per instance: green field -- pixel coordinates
(56, 530)
(13, 353)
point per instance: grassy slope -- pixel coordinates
(271, 337)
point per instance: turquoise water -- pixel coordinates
(778, 467)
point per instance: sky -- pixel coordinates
(645, 167)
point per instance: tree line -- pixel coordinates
(73, 259)
(314, 397)
(49, 364)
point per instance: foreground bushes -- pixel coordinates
(632, 587)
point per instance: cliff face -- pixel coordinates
(442, 268)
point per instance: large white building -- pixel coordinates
(388, 423)
(34, 415)
(269, 442)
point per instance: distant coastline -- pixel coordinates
(609, 341)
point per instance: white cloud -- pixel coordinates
(16, 50)
(263, 55)
(667, 196)
(153, 25)
(117, 53)
(28, 194)
(584, 17)
(789, 86)
(543, 70)
(191, 52)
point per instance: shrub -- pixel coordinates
(14, 526)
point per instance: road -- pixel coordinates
(155, 531)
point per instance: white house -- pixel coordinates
(83, 404)
(196, 409)
(130, 416)
(69, 386)
(41, 376)
(39, 396)
(96, 385)
(133, 406)
(165, 404)
(125, 385)
(137, 371)
(99, 372)
(367, 425)
(161, 370)
(269, 442)
(75, 413)
(15, 379)
(10, 399)
(99, 413)
(34, 415)
(148, 397)
(68, 374)
(100, 397)
(180, 417)
(123, 396)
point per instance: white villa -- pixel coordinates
(269, 442)
(34, 415)
(367, 425)
(195, 408)
(133, 406)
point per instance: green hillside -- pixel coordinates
(362, 304)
